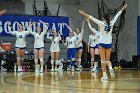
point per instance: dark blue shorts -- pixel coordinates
(97, 46)
(79, 48)
(39, 48)
(94, 47)
(105, 45)
(21, 47)
(71, 53)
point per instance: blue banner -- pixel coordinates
(54, 23)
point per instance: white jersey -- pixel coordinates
(106, 37)
(96, 33)
(55, 43)
(39, 39)
(79, 37)
(92, 40)
(71, 42)
(98, 37)
(20, 42)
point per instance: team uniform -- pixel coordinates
(106, 37)
(38, 45)
(55, 43)
(39, 39)
(79, 38)
(94, 43)
(55, 48)
(71, 43)
(20, 41)
(96, 36)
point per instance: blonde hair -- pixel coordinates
(53, 34)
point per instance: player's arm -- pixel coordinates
(90, 17)
(46, 27)
(92, 29)
(118, 14)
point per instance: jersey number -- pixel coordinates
(20, 36)
(107, 28)
(77, 38)
(70, 42)
(94, 40)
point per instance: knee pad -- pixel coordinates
(79, 59)
(103, 61)
(96, 58)
(36, 60)
(18, 58)
(73, 59)
(57, 62)
(92, 59)
(41, 59)
(52, 61)
(22, 59)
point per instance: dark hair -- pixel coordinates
(79, 28)
(20, 24)
(106, 16)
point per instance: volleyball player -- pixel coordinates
(54, 49)
(79, 36)
(20, 44)
(71, 44)
(39, 45)
(93, 47)
(106, 27)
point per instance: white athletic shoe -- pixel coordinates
(41, 71)
(21, 70)
(112, 73)
(60, 67)
(18, 70)
(78, 69)
(36, 70)
(37, 67)
(81, 67)
(69, 68)
(3, 69)
(55, 69)
(91, 68)
(72, 69)
(95, 69)
(52, 70)
(104, 78)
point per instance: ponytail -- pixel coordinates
(107, 18)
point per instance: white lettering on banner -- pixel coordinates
(1, 29)
(6, 28)
(14, 26)
(61, 26)
(53, 27)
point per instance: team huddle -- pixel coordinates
(99, 44)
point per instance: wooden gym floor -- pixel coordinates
(126, 81)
